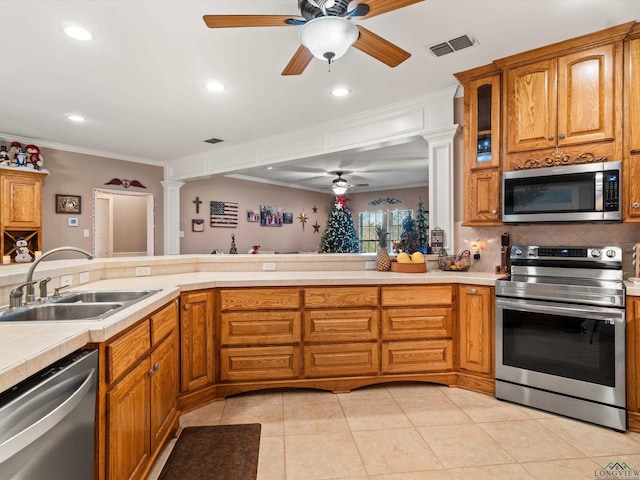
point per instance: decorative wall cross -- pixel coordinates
(197, 201)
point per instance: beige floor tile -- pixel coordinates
(271, 417)
(432, 410)
(314, 417)
(271, 460)
(324, 456)
(401, 390)
(633, 461)
(256, 398)
(528, 441)
(374, 414)
(367, 393)
(303, 396)
(571, 469)
(464, 446)
(426, 475)
(208, 415)
(492, 472)
(395, 451)
(592, 440)
(483, 408)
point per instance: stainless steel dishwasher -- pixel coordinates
(47, 422)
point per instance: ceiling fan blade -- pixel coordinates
(227, 21)
(378, 7)
(379, 48)
(298, 62)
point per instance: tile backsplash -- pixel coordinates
(620, 234)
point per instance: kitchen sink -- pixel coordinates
(60, 312)
(78, 306)
(104, 296)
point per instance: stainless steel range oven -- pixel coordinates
(560, 327)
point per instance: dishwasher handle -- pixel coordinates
(37, 429)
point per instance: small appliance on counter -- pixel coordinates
(505, 254)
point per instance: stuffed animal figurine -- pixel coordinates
(13, 152)
(22, 251)
(21, 158)
(34, 158)
(5, 159)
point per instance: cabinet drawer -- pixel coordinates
(341, 297)
(417, 295)
(418, 323)
(417, 356)
(341, 325)
(164, 322)
(127, 350)
(259, 363)
(259, 298)
(341, 360)
(262, 328)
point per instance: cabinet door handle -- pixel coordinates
(493, 212)
(551, 137)
(151, 372)
(473, 291)
(156, 367)
(562, 136)
(187, 306)
(635, 204)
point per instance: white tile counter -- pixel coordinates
(26, 348)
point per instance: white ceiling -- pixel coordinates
(140, 82)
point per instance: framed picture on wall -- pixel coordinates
(68, 203)
(287, 217)
(197, 225)
(253, 216)
(270, 216)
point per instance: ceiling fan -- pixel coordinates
(340, 185)
(326, 30)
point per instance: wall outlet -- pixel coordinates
(84, 277)
(85, 232)
(370, 265)
(66, 280)
(181, 234)
(268, 267)
(143, 271)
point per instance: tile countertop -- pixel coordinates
(26, 348)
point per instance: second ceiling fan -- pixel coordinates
(326, 30)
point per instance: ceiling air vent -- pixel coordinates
(453, 45)
(213, 140)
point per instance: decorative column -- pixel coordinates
(171, 216)
(441, 179)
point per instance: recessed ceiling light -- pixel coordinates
(340, 92)
(216, 87)
(78, 33)
(76, 118)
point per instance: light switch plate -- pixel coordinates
(66, 280)
(268, 267)
(84, 277)
(143, 271)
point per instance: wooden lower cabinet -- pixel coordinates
(475, 328)
(259, 363)
(342, 359)
(417, 356)
(141, 382)
(633, 363)
(197, 349)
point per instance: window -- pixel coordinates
(368, 221)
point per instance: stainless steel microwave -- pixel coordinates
(575, 193)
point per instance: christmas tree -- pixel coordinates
(340, 236)
(422, 223)
(409, 236)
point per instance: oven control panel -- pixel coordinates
(594, 254)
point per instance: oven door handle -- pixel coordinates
(597, 313)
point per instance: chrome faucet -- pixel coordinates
(31, 297)
(15, 297)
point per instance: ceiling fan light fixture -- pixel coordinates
(328, 38)
(338, 190)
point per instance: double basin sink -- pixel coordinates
(78, 306)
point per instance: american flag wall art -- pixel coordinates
(224, 214)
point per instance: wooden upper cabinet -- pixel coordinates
(632, 123)
(21, 200)
(482, 121)
(565, 101)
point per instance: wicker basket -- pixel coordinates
(453, 263)
(408, 267)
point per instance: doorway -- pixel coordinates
(123, 223)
